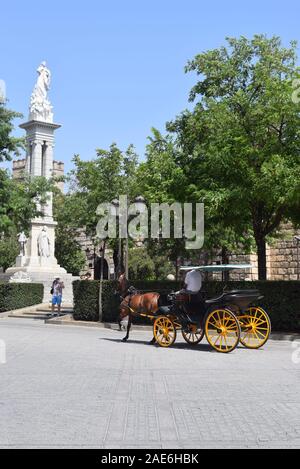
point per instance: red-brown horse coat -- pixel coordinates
(134, 304)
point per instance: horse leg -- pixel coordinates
(128, 328)
(152, 341)
(120, 322)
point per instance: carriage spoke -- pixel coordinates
(255, 327)
(222, 330)
(164, 331)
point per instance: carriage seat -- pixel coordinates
(240, 297)
(215, 300)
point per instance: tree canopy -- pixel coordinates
(240, 143)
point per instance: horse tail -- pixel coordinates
(123, 311)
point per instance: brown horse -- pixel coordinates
(133, 303)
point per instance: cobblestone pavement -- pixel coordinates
(78, 387)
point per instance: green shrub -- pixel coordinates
(86, 300)
(20, 295)
(281, 299)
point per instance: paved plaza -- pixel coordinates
(65, 386)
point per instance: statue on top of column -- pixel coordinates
(40, 108)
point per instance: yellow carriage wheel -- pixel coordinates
(255, 327)
(222, 330)
(164, 331)
(193, 335)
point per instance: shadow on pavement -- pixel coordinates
(181, 345)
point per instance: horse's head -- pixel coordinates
(122, 284)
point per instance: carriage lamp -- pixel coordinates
(297, 239)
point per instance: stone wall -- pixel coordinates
(18, 170)
(92, 254)
(285, 261)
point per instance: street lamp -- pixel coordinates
(114, 211)
(297, 239)
(140, 206)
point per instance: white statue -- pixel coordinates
(22, 240)
(40, 108)
(43, 243)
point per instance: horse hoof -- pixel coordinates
(124, 339)
(152, 342)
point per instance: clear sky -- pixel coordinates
(118, 66)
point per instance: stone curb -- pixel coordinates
(67, 320)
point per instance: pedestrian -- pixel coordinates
(56, 291)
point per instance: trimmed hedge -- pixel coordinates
(86, 300)
(281, 299)
(86, 297)
(20, 295)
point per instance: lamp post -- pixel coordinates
(140, 205)
(115, 212)
(88, 251)
(297, 239)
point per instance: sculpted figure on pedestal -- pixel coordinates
(22, 240)
(40, 107)
(43, 243)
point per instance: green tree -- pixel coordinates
(19, 201)
(162, 180)
(9, 249)
(67, 249)
(140, 265)
(240, 144)
(9, 145)
(102, 179)
(111, 173)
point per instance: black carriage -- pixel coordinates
(232, 318)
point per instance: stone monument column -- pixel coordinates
(37, 259)
(47, 173)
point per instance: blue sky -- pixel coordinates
(118, 66)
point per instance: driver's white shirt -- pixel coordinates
(193, 281)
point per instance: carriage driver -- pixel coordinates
(193, 303)
(192, 282)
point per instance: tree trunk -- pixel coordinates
(262, 258)
(225, 260)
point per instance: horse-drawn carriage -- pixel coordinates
(232, 318)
